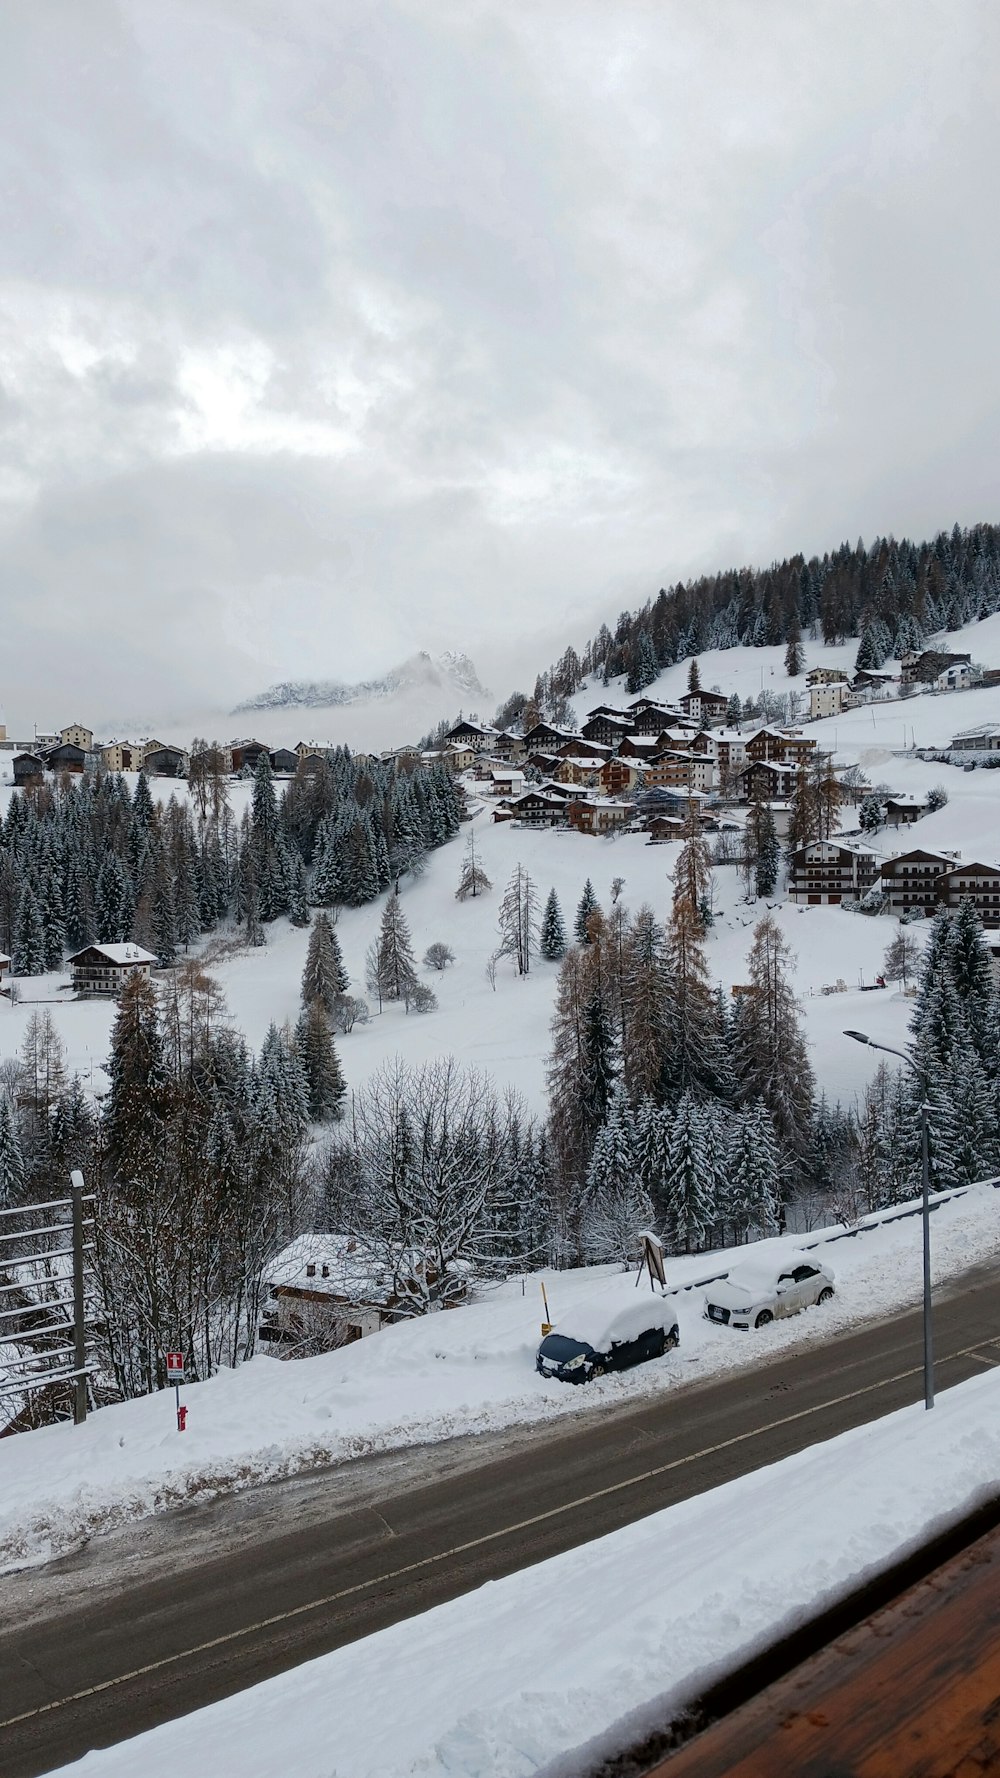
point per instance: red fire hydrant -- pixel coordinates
(182, 1415)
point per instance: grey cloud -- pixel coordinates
(328, 333)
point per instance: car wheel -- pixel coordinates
(598, 1370)
(763, 1318)
(825, 1294)
(673, 1339)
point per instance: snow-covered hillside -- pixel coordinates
(506, 1030)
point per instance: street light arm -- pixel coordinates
(860, 1037)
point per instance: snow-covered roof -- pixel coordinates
(117, 953)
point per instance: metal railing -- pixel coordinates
(43, 1302)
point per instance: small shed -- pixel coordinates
(164, 762)
(101, 971)
(65, 758)
(28, 768)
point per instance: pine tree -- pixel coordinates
(768, 853)
(298, 898)
(136, 1104)
(771, 1062)
(11, 1158)
(324, 977)
(794, 653)
(753, 1174)
(598, 1061)
(320, 1065)
(870, 813)
(694, 678)
(647, 993)
(688, 1207)
(397, 974)
(588, 905)
(552, 941)
(28, 946)
(693, 1060)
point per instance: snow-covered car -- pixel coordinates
(594, 1340)
(754, 1294)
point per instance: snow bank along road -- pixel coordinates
(123, 1657)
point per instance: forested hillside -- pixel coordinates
(890, 595)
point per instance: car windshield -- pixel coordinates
(559, 1347)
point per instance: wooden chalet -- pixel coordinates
(978, 883)
(539, 807)
(472, 734)
(902, 811)
(66, 757)
(911, 880)
(705, 706)
(165, 762)
(607, 727)
(595, 815)
(245, 755)
(284, 761)
(768, 780)
(29, 768)
(826, 872)
(101, 971)
(784, 749)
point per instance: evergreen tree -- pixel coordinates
(646, 1025)
(794, 653)
(298, 897)
(552, 941)
(694, 678)
(870, 813)
(324, 977)
(688, 1207)
(771, 1060)
(397, 975)
(28, 948)
(11, 1158)
(588, 905)
(753, 1174)
(137, 1100)
(320, 1065)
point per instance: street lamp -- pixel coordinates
(925, 1209)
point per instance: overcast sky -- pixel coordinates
(333, 331)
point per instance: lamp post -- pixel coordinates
(925, 1208)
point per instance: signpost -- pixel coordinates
(175, 1375)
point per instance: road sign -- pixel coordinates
(175, 1367)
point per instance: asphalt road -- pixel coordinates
(87, 1668)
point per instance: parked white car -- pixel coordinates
(754, 1293)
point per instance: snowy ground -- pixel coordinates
(505, 1683)
(467, 1371)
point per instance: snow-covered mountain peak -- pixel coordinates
(450, 672)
